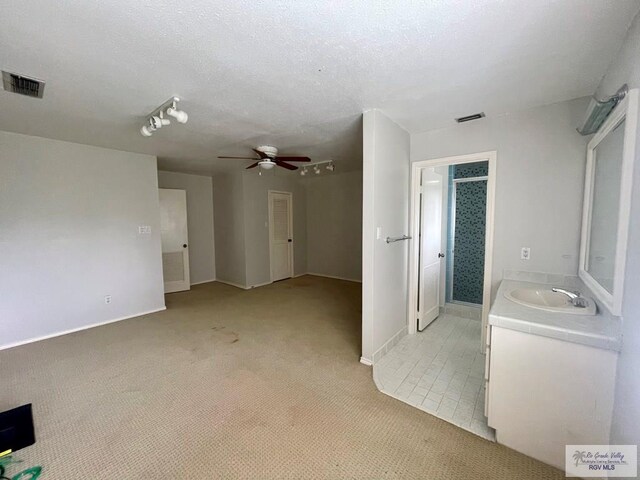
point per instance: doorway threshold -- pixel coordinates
(464, 310)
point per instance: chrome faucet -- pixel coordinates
(571, 295)
(576, 299)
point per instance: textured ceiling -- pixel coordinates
(296, 74)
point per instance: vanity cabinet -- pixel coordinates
(545, 393)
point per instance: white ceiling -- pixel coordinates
(296, 74)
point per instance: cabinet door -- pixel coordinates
(546, 393)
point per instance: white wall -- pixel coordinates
(241, 213)
(69, 217)
(228, 208)
(626, 410)
(256, 222)
(334, 225)
(385, 204)
(199, 190)
(540, 176)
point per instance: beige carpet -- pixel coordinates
(231, 384)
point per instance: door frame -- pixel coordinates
(414, 228)
(269, 210)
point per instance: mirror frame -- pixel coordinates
(626, 110)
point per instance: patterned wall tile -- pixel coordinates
(468, 170)
(465, 239)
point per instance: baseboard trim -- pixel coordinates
(334, 277)
(389, 344)
(233, 284)
(203, 281)
(244, 287)
(366, 361)
(249, 287)
(78, 329)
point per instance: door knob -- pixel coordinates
(184, 246)
(441, 255)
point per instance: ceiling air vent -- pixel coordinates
(468, 118)
(12, 82)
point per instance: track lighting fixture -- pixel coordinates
(315, 167)
(157, 118)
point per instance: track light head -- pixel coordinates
(145, 131)
(179, 115)
(331, 167)
(158, 122)
(303, 172)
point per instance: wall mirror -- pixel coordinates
(607, 200)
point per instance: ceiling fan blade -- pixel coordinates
(286, 165)
(295, 159)
(262, 154)
(253, 165)
(241, 158)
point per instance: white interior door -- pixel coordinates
(280, 235)
(430, 247)
(175, 244)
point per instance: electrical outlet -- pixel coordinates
(525, 253)
(107, 299)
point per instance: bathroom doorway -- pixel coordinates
(452, 202)
(440, 369)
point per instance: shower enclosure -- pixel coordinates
(466, 225)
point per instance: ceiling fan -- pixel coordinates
(268, 158)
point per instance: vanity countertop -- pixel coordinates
(600, 331)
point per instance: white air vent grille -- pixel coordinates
(31, 87)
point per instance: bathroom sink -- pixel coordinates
(544, 299)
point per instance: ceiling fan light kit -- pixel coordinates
(268, 158)
(267, 164)
(157, 120)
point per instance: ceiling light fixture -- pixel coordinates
(316, 167)
(267, 164)
(157, 120)
(599, 110)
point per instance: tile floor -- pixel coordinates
(440, 371)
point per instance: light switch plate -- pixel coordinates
(144, 229)
(378, 233)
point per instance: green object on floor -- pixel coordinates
(28, 474)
